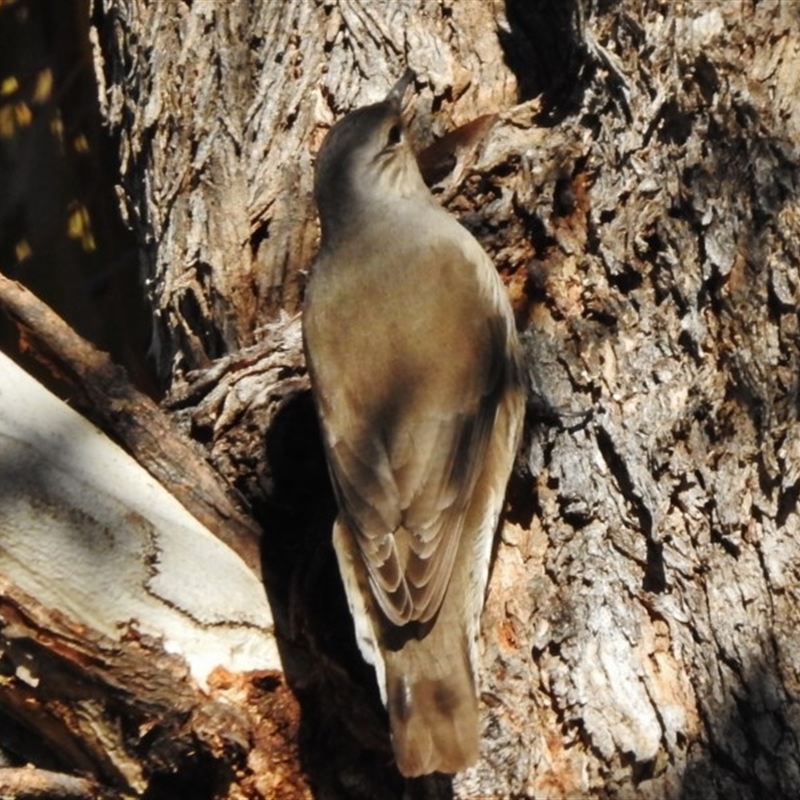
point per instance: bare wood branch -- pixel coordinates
(103, 392)
(26, 783)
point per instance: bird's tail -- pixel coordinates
(425, 671)
(432, 703)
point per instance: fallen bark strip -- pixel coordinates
(102, 391)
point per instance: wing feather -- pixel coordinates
(406, 434)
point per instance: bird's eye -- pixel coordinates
(395, 135)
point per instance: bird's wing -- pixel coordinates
(406, 429)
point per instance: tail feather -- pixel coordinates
(433, 717)
(426, 680)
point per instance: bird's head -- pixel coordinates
(365, 161)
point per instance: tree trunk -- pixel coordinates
(632, 167)
(223, 106)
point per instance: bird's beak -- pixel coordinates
(396, 93)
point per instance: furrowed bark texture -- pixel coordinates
(656, 626)
(640, 626)
(222, 106)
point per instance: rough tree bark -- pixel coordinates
(642, 208)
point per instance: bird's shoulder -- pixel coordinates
(408, 244)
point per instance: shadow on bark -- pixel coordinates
(753, 743)
(543, 46)
(344, 742)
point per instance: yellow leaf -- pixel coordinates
(57, 126)
(79, 227)
(7, 125)
(76, 222)
(22, 112)
(23, 250)
(13, 116)
(8, 85)
(44, 86)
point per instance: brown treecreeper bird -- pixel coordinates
(415, 369)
